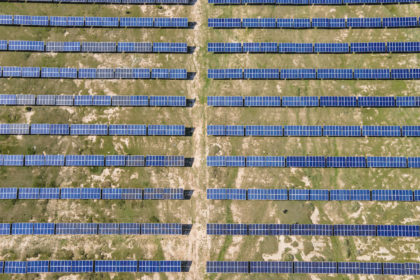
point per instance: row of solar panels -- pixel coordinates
(304, 23)
(70, 266)
(92, 193)
(92, 73)
(313, 161)
(92, 100)
(312, 130)
(311, 229)
(314, 74)
(78, 21)
(92, 129)
(378, 47)
(93, 47)
(312, 101)
(185, 2)
(91, 160)
(309, 2)
(311, 194)
(313, 267)
(89, 228)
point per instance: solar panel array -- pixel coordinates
(378, 47)
(91, 228)
(314, 74)
(93, 193)
(314, 229)
(91, 73)
(92, 160)
(160, 2)
(93, 100)
(308, 2)
(312, 131)
(79, 21)
(305, 23)
(312, 101)
(313, 267)
(313, 161)
(311, 194)
(92, 129)
(90, 266)
(93, 47)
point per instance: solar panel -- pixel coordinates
(300, 101)
(224, 22)
(302, 130)
(33, 46)
(399, 22)
(412, 269)
(163, 193)
(172, 161)
(81, 266)
(393, 269)
(359, 268)
(214, 130)
(22, 228)
(227, 229)
(132, 194)
(87, 73)
(298, 194)
(258, 74)
(135, 160)
(381, 131)
(115, 160)
(8, 193)
(29, 193)
(398, 230)
(218, 161)
(319, 195)
(376, 101)
(45, 100)
(368, 47)
(403, 47)
(335, 74)
(270, 267)
(255, 161)
(235, 161)
(60, 266)
(64, 100)
(108, 228)
(101, 21)
(413, 162)
(136, 22)
(267, 194)
(13, 160)
(85, 160)
(49, 193)
(25, 99)
(58, 21)
(44, 228)
(342, 131)
(293, 74)
(134, 47)
(18, 128)
(6, 19)
(386, 162)
(101, 100)
(331, 48)
(76, 228)
(13, 267)
(161, 229)
(99, 47)
(54, 160)
(297, 229)
(226, 194)
(129, 228)
(8, 99)
(354, 230)
(227, 267)
(104, 73)
(340, 195)
(224, 47)
(392, 195)
(315, 267)
(356, 162)
(337, 101)
(268, 229)
(259, 23)
(37, 266)
(12, 72)
(364, 22)
(371, 74)
(225, 101)
(234, 130)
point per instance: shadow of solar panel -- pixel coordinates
(8, 99)
(37, 266)
(354, 230)
(22, 228)
(398, 230)
(392, 195)
(108, 229)
(129, 228)
(49, 193)
(225, 101)
(227, 229)
(8, 193)
(161, 229)
(335, 74)
(28, 193)
(115, 160)
(13, 160)
(135, 160)
(227, 267)
(300, 101)
(61, 266)
(268, 229)
(315, 267)
(319, 195)
(14, 267)
(44, 228)
(298, 194)
(270, 267)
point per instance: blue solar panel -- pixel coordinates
(359, 268)
(372, 74)
(319, 195)
(386, 162)
(258, 74)
(275, 161)
(342, 131)
(215, 130)
(26, 46)
(162, 101)
(393, 269)
(108, 229)
(216, 161)
(235, 161)
(12, 267)
(398, 230)
(55, 160)
(22, 228)
(412, 268)
(101, 21)
(413, 162)
(255, 161)
(268, 229)
(270, 267)
(355, 162)
(60, 266)
(87, 73)
(8, 99)
(64, 100)
(132, 194)
(354, 230)
(331, 47)
(155, 160)
(76, 228)
(301, 130)
(402, 47)
(224, 22)
(135, 160)
(81, 266)
(12, 71)
(227, 267)
(6, 19)
(44, 228)
(4, 230)
(162, 193)
(225, 74)
(227, 229)
(381, 131)
(399, 22)
(340, 195)
(224, 47)
(37, 266)
(8, 193)
(376, 101)
(295, 47)
(392, 195)
(337, 101)
(368, 47)
(29, 193)
(84, 160)
(129, 228)
(262, 101)
(258, 23)
(335, 74)
(225, 101)
(296, 161)
(267, 194)
(13, 160)
(302, 23)
(300, 101)
(50, 72)
(136, 22)
(315, 267)
(297, 194)
(293, 74)
(49, 193)
(104, 47)
(234, 130)
(364, 22)
(115, 160)
(135, 47)
(161, 229)
(263, 130)
(173, 161)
